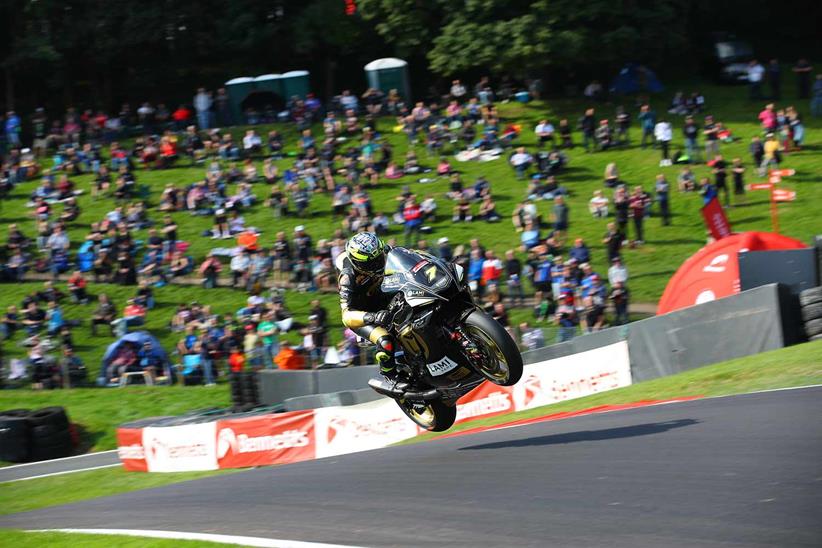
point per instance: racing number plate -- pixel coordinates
(441, 367)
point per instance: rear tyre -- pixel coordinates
(500, 361)
(433, 415)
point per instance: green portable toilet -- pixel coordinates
(238, 89)
(295, 82)
(387, 74)
(272, 83)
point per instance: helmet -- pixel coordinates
(367, 253)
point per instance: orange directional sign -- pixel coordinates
(759, 186)
(783, 172)
(780, 195)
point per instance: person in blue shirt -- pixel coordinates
(580, 251)
(54, 315)
(647, 121)
(557, 276)
(12, 128)
(530, 236)
(475, 269)
(707, 190)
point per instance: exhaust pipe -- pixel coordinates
(396, 391)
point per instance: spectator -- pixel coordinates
(33, 319)
(545, 133)
(604, 135)
(691, 133)
(620, 297)
(598, 205)
(521, 162)
(707, 190)
(267, 332)
(738, 171)
(588, 126)
(202, 104)
(210, 271)
(720, 170)
(10, 323)
(772, 154)
(566, 318)
(756, 72)
(580, 252)
(289, 358)
(565, 134)
(133, 315)
(532, 338)
(77, 287)
(647, 122)
(412, 217)
(639, 203)
(663, 193)
(611, 177)
(594, 301)
(711, 132)
(104, 314)
(617, 272)
(686, 181)
(663, 134)
(561, 218)
(488, 210)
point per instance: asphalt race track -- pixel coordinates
(737, 471)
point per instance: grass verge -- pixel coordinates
(22, 496)
(24, 539)
(799, 365)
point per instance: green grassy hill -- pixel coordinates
(650, 266)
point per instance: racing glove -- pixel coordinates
(381, 318)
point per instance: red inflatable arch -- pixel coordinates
(713, 271)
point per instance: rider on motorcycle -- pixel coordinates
(362, 269)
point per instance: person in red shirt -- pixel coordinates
(288, 357)
(180, 117)
(638, 203)
(133, 315)
(77, 287)
(236, 360)
(491, 269)
(412, 214)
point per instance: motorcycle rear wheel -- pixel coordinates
(433, 415)
(501, 361)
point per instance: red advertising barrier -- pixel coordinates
(715, 220)
(266, 439)
(130, 449)
(261, 440)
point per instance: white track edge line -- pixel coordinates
(85, 455)
(210, 537)
(62, 472)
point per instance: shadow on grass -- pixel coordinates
(87, 439)
(588, 435)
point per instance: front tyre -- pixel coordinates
(432, 415)
(495, 355)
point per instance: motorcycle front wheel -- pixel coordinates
(433, 415)
(497, 357)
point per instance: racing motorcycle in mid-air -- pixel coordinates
(447, 344)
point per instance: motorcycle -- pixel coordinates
(447, 344)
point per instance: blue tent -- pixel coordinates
(138, 338)
(633, 78)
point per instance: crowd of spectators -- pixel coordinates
(341, 152)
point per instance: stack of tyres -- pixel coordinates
(49, 433)
(244, 394)
(14, 435)
(811, 301)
